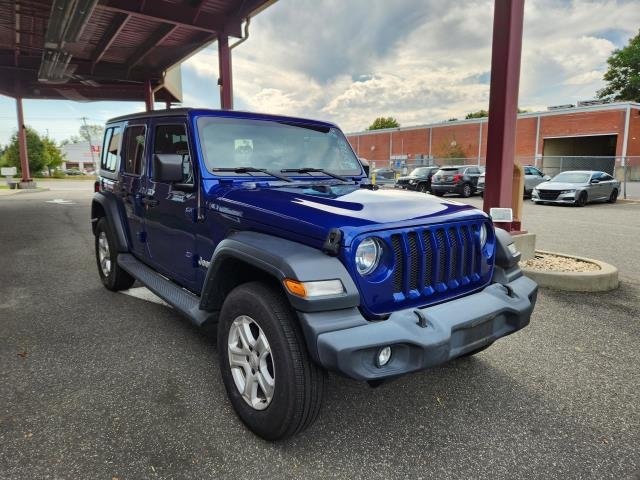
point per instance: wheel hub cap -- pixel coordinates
(251, 362)
(104, 255)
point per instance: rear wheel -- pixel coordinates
(273, 385)
(614, 196)
(423, 187)
(112, 275)
(581, 201)
(466, 190)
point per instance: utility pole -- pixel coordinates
(84, 120)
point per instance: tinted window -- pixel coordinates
(605, 177)
(473, 171)
(133, 149)
(172, 139)
(109, 160)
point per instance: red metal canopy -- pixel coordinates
(107, 49)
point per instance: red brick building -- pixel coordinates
(609, 131)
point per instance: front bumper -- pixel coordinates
(566, 198)
(346, 342)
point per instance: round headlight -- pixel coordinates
(367, 256)
(483, 235)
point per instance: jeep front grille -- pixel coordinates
(430, 264)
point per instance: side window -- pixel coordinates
(529, 171)
(605, 177)
(172, 139)
(133, 149)
(109, 160)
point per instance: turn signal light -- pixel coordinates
(319, 288)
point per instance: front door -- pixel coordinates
(171, 208)
(133, 182)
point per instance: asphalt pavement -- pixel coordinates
(95, 384)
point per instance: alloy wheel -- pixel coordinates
(104, 254)
(251, 362)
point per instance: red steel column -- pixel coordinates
(226, 77)
(22, 143)
(503, 103)
(148, 95)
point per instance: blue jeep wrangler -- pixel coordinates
(268, 227)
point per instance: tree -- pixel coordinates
(623, 75)
(72, 139)
(485, 113)
(53, 156)
(42, 152)
(91, 133)
(383, 122)
(479, 114)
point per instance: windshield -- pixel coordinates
(572, 177)
(235, 143)
(418, 172)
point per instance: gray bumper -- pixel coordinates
(346, 342)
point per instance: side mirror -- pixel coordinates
(167, 167)
(546, 178)
(594, 180)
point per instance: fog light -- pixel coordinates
(383, 356)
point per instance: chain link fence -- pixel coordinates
(624, 169)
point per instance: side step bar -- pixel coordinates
(185, 302)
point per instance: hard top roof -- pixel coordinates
(194, 112)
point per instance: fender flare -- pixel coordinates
(280, 259)
(115, 216)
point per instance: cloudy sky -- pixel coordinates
(420, 61)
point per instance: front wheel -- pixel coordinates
(423, 187)
(273, 385)
(466, 190)
(112, 275)
(581, 201)
(613, 197)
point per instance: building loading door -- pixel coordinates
(588, 152)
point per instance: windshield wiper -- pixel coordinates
(252, 170)
(312, 170)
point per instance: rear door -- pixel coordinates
(171, 208)
(473, 173)
(132, 182)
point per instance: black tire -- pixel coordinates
(477, 350)
(581, 201)
(116, 278)
(614, 196)
(438, 194)
(298, 382)
(467, 190)
(423, 188)
(482, 194)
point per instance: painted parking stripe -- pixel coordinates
(144, 293)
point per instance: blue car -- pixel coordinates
(268, 228)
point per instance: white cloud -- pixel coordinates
(350, 62)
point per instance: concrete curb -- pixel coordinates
(601, 280)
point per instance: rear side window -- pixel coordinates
(110, 149)
(133, 149)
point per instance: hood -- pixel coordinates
(312, 211)
(559, 186)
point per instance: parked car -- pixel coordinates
(298, 260)
(419, 179)
(532, 177)
(577, 188)
(461, 179)
(73, 171)
(385, 176)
